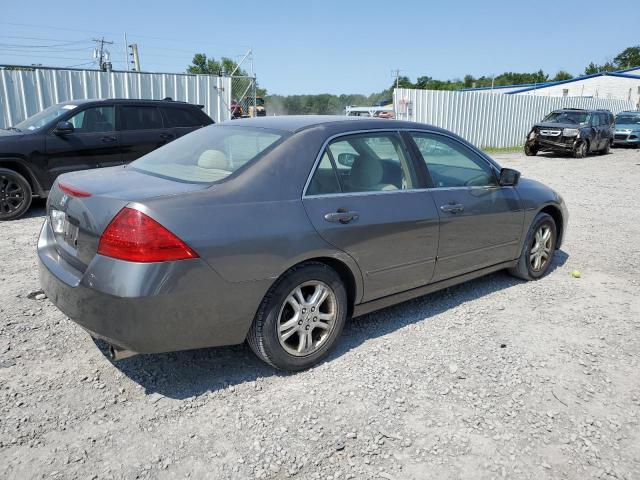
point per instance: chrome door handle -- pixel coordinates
(342, 217)
(452, 208)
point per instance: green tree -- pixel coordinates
(210, 66)
(629, 57)
(562, 75)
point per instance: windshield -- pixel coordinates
(628, 119)
(208, 155)
(578, 118)
(259, 102)
(40, 119)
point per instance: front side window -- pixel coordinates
(363, 163)
(209, 154)
(94, 120)
(452, 164)
(140, 118)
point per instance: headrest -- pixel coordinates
(366, 172)
(213, 159)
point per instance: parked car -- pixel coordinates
(572, 130)
(627, 131)
(275, 230)
(84, 134)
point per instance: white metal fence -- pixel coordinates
(488, 120)
(24, 92)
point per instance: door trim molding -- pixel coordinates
(373, 305)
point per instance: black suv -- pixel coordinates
(84, 134)
(572, 130)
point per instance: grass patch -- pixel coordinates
(515, 148)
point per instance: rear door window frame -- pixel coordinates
(120, 116)
(418, 179)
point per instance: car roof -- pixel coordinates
(125, 101)
(295, 123)
(587, 110)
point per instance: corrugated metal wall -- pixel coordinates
(488, 120)
(26, 92)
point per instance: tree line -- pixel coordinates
(330, 104)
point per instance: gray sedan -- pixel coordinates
(276, 230)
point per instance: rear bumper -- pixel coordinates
(152, 307)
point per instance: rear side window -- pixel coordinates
(324, 180)
(370, 162)
(181, 117)
(140, 118)
(209, 154)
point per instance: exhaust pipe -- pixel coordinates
(117, 353)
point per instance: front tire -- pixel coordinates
(530, 151)
(300, 318)
(538, 249)
(15, 195)
(581, 150)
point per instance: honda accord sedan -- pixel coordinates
(276, 230)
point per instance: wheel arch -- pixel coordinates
(556, 214)
(19, 167)
(352, 283)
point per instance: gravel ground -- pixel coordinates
(495, 378)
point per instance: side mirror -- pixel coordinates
(347, 159)
(63, 128)
(509, 177)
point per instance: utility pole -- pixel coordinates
(396, 73)
(136, 57)
(126, 56)
(102, 55)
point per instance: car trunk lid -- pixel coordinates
(82, 204)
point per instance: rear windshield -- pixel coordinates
(209, 154)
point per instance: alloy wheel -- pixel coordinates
(12, 195)
(307, 318)
(541, 248)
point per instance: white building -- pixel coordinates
(620, 85)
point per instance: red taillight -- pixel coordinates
(135, 237)
(73, 191)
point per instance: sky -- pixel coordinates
(329, 46)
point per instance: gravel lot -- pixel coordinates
(495, 378)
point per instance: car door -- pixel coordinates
(364, 198)
(142, 130)
(93, 143)
(480, 222)
(596, 128)
(182, 120)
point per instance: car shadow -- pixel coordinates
(38, 208)
(185, 374)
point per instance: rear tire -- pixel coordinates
(300, 318)
(538, 249)
(15, 195)
(581, 150)
(606, 150)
